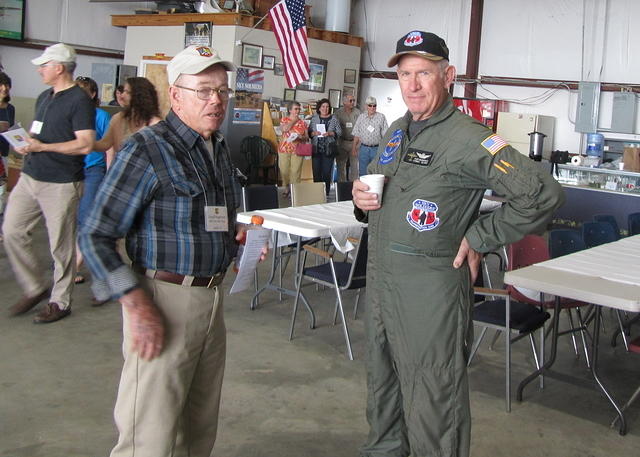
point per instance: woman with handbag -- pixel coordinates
(290, 149)
(324, 130)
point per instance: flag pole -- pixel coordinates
(239, 42)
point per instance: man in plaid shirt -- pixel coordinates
(172, 192)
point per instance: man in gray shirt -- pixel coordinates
(367, 132)
(347, 116)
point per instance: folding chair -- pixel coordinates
(343, 191)
(597, 233)
(308, 193)
(511, 317)
(634, 346)
(340, 276)
(633, 221)
(255, 198)
(608, 218)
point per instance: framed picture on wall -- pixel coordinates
(317, 76)
(349, 76)
(198, 33)
(334, 98)
(289, 95)
(278, 69)
(251, 55)
(268, 62)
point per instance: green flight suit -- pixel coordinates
(418, 322)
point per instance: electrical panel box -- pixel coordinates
(623, 116)
(515, 128)
(587, 108)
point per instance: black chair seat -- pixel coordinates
(323, 272)
(524, 318)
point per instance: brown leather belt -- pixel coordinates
(181, 280)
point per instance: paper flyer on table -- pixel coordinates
(256, 240)
(16, 137)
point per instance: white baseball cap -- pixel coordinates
(58, 52)
(192, 60)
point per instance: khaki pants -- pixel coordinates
(168, 407)
(29, 202)
(290, 168)
(344, 153)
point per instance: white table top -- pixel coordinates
(607, 275)
(326, 219)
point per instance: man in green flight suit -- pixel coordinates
(425, 244)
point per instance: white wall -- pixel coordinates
(143, 41)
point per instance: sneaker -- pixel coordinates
(51, 313)
(26, 303)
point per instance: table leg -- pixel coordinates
(554, 350)
(594, 369)
(269, 285)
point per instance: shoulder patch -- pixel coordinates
(388, 155)
(493, 144)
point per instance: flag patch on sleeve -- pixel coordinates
(493, 144)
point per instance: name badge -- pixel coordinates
(349, 125)
(216, 219)
(371, 129)
(36, 127)
(417, 157)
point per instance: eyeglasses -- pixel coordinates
(83, 78)
(372, 106)
(206, 93)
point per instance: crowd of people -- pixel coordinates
(172, 194)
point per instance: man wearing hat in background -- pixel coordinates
(50, 186)
(424, 251)
(367, 133)
(172, 192)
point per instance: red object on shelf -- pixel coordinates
(486, 111)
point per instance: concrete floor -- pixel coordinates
(282, 399)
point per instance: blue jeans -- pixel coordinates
(92, 178)
(365, 155)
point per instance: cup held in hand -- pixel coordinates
(375, 183)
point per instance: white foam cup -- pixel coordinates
(375, 183)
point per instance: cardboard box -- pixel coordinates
(631, 159)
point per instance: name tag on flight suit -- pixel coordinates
(417, 157)
(216, 219)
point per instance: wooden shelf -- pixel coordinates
(226, 19)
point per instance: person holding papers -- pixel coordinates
(50, 185)
(324, 131)
(294, 132)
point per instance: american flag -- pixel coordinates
(494, 143)
(287, 17)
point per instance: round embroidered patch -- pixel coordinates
(392, 146)
(423, 215)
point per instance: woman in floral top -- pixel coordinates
(290, 164)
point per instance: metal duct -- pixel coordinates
(338, 15)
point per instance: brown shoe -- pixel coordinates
(51, 313)
(96, 303)
(26, 303)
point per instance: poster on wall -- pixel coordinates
(197, 33)
(248, 103)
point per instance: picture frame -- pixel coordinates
(317, 76)
(268, 62)
(197, 33)
(251, 55)
(228, 4)
(349, 76)
(334, 98)
(289, 95)
(348, 90)
(278, 69)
